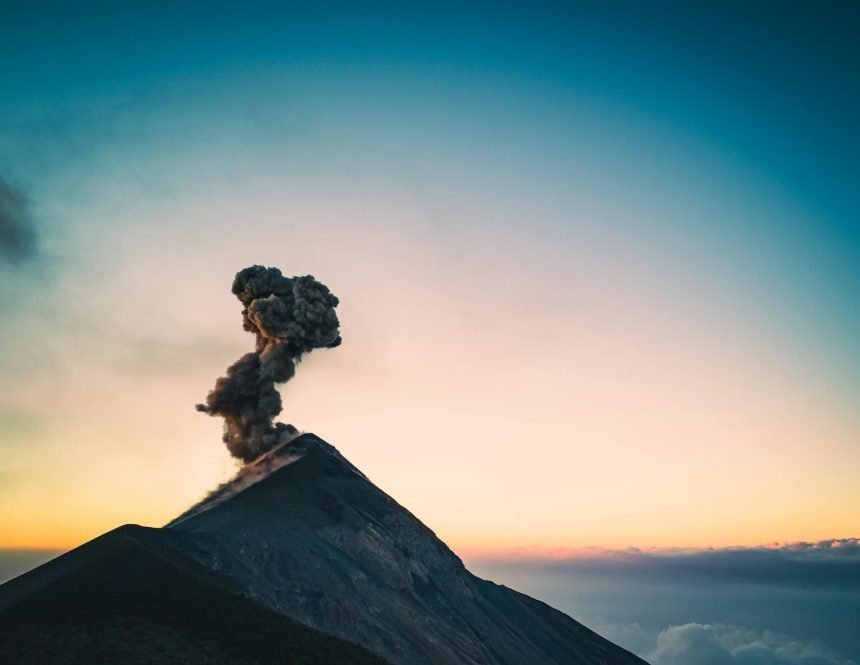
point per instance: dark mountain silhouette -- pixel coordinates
(301, 533)
(126, 598)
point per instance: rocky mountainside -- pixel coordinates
(302, 534)
(314, 539)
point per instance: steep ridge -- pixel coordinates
(315, 540)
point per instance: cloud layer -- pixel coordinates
(716, 644)
(707, 607)
(826, 563)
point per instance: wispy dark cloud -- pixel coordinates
(17, 230)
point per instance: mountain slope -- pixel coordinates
(314, 539)
(126, 597)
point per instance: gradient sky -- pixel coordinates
(598, 263)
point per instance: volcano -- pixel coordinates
(300, 556)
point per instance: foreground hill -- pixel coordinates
(124, 598)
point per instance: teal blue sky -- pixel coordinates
(766, 92)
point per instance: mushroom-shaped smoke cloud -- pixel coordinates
(290, 317)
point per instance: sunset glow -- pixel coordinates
(579, 308)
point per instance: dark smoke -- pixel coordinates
(290, 316)
(17, 235)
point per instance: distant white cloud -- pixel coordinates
(847, 547)
(717, 644)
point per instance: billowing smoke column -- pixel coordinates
(290, 317)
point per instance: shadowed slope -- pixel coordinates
(127, 598)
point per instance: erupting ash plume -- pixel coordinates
(290, 316)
